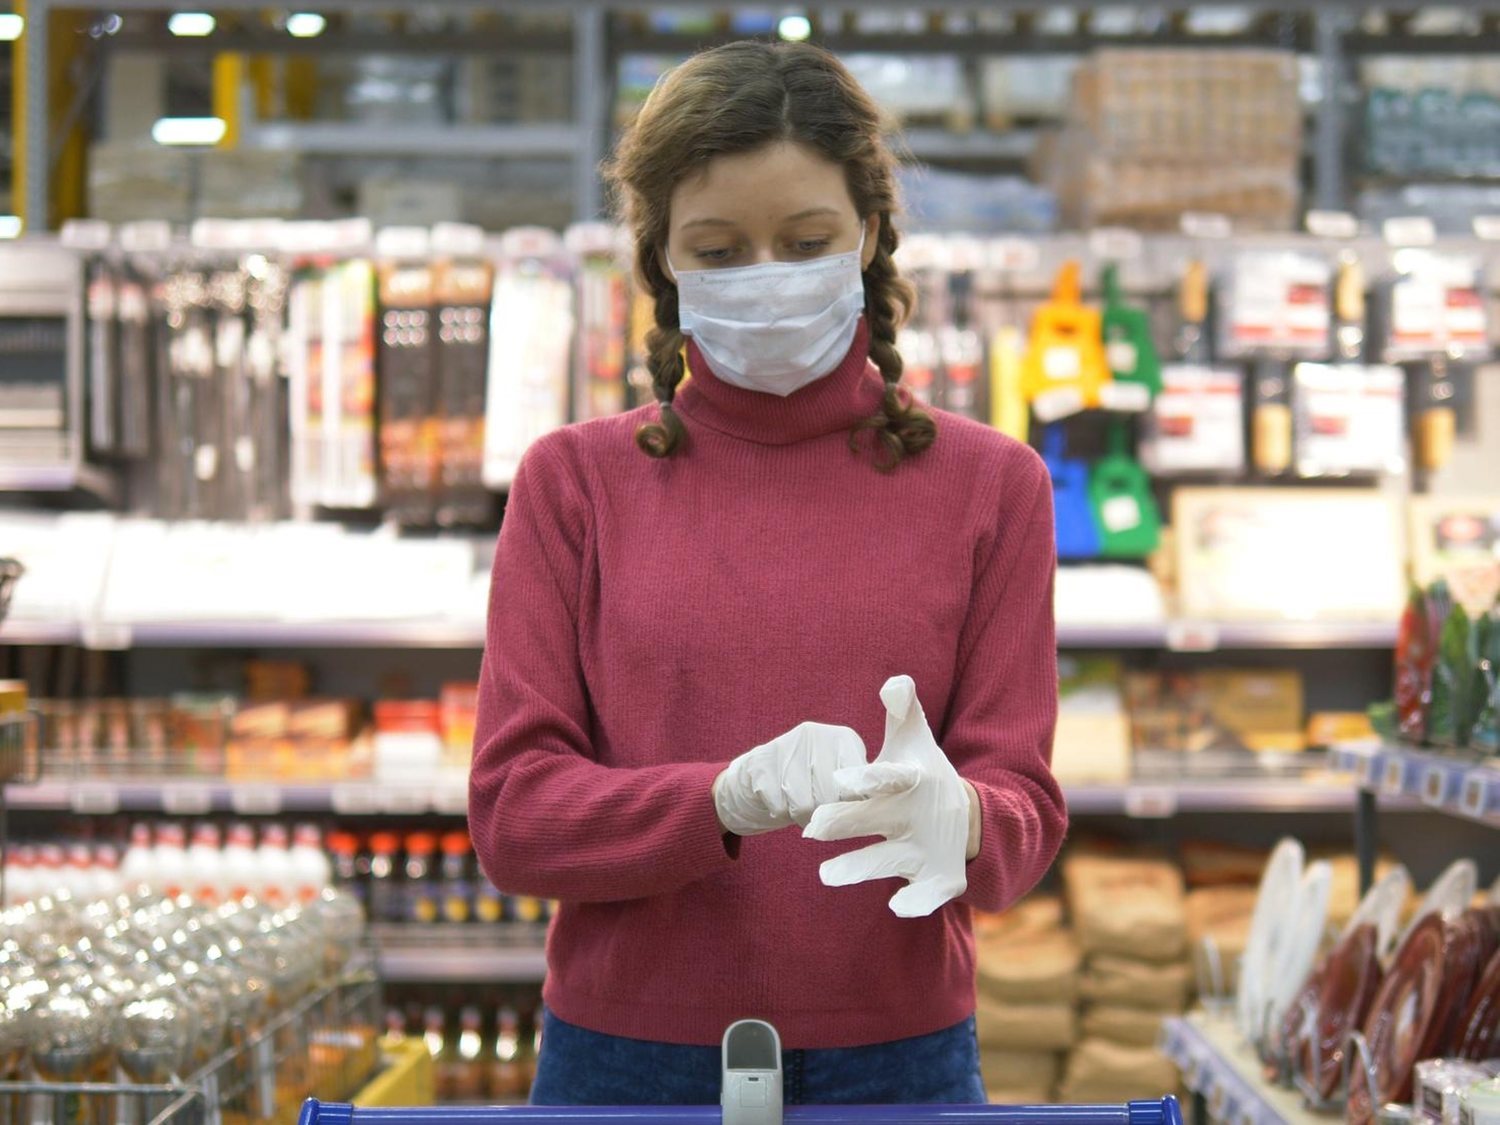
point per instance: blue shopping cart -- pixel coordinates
(751, 1095)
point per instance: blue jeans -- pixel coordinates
(581, 1067)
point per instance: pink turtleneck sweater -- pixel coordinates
(651, 620)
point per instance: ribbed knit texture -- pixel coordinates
(651, 620)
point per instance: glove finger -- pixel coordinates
(850, 752)
(884, 860)
(878, 779)
(921, 898)
(846, 820)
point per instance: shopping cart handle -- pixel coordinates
(1166, 1111)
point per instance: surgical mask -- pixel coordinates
(773, 327)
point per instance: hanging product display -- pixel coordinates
(462, 286)
(1129, 348)
(102, 297)
(1065, 365)
(1434, 305)
(407, 365)
(1008, 409)
(1348, 419)
(1197, 422)
(599, 387)
(531, 332)
(1349, 311)
(1077, 533)
(1194, 343)
(1277, 303)
(1120, 498)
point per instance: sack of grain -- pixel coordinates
(1130, 1027)
(1128, 983)
(1132, 907)
(1031, 968)
(1026, 1027)
(1100, 1071)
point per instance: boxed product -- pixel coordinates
(1092, 742)
(1216, 709)
(1126, 906)
(250, 184)
(130, 181)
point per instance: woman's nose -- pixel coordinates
(760, 254)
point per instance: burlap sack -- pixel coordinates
(1037, 914)
(1101, 1071)
(1129, 1027)
(1018, 1095)
(1210, 863)
(1020, 1070)
(1218, 928)
(1026, 1027)
(1119, 981)
(1030, 968)
(1126, 906)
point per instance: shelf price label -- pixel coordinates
(1393, 780)
(1332, 224)
(355, 800)
(94, 798)
(1371, 770)
(1206, 225)
(1150, 802)
(1474, 794)
(256, 800)
(105, 636)
(1192, 636)
(1437, 788)
(406, 800)
(187, 800)
(450, 799)
(1409, 230)
(1115, 244)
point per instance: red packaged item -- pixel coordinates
(1347, 986)
(1416, 652)
(401, 716)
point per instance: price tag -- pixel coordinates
(212, 234)
(1115, 244)
(85, 234)
(1393, 782)
(256, 800)
(450, 800)
(465, 240)
(1487, 227)
(105, 636)
(1435, 790)
(529, 242)
(1050, 406)
(1132, 398)
(1013, 255)
(94, 798)
(146, 236)
(407, 800)
(1206, 224)
(1474, 796)
(351, 234)
(206, 462)
(187, 800)
(1150, 802)
(403, 242)
(1409, 230)
(1120, 513)
(1370, 772)
(1192, 636)
(1332, 224)
(1121, 355)
(1062, 363)
(355, 800)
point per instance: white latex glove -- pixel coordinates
(926, 827)
(781, 783)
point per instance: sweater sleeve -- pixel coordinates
(1003, 713)
(547, 820)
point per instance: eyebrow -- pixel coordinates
(807, 214)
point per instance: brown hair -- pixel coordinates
(734, 99)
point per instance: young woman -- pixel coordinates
(706, 617)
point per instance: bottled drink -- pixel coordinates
(275, 863)
(206, 865)
(421, 889)
(458, 884)
(311, 871)
(489, 904)
(346, 876)
(464, 1079)
(136, 868)
(507, 1072)
(385, 905)
(170, 870)
(237, 866)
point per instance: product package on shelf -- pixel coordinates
(407, 389)
(1092, 741)
(531, 332)
(1152, 134)
(599, 386)
(462, 286)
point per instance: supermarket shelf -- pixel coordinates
(1223, 1071)
(506, 953)
(1459, 786)
(333, 634)
(56, 478)
(449, 797)
(20, 632)
(1208, 636)
(337, 139)
(977, 144)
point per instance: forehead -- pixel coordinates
(763, 185)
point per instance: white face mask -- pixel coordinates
(775, 326)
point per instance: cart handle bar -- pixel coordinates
(1165, 1111)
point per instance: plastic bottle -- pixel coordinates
(385, 898)
(20, 875)
(138, 868)
(107, 882)
(311, 871)
(507, 1072)
(344, 847)
(457, 878)
(275, 864)
(50, 877)
(237, 866)
(171, 873)
(206, 865)
(421, 892)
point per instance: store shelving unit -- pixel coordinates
(506, 953)
(1223, 1075)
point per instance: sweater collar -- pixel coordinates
(847, 395)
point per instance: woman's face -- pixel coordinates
(779, 203)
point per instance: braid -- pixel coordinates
(663, 359)
(901, 427)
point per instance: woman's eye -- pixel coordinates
(811, 245)
(719, 255)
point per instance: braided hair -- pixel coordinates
(738, 98)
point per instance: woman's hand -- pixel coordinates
(783, 782)
(931, 829)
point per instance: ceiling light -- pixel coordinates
(188, 131)
(11, 26)
(305, 25)
(10, 226)
(794, 28)
(191, 24)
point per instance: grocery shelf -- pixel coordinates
(511, 953)
(418, 633)
(338, 139)
(449, 797)
(22, 632)
(57, 477)
(1448, 782)
(977, 144)
(1225, 1073)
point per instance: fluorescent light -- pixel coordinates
(188, 131)
(794, 28)
(305, 25)
(10, 226)
(11, 26)
(191, 24)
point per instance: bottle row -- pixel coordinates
(484, 1048)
